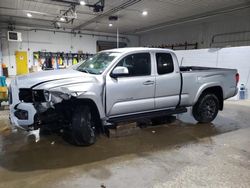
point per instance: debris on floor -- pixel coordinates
(34, 135)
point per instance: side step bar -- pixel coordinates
(148, 115)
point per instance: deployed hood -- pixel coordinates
(38, 79)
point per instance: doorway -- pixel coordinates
(21, 62)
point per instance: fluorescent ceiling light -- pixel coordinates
(82, 3)
(29, 15)
(145, 13)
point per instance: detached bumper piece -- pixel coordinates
(21, 114)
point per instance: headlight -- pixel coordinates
(47, 95)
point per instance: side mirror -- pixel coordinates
(119, 71)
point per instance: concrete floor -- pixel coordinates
(182, 154)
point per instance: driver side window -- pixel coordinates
(138, 64)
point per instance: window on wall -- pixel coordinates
(165, 63)
(107, 45)
(138, 64)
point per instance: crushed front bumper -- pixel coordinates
(22, 115)
(27, 120)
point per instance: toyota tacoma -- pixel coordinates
(115, 86)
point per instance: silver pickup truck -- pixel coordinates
(115, 86)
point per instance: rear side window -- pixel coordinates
(165, 63)
(138, 64)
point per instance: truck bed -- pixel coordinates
(196, 78)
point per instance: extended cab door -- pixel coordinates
(168, 81)
(133, 92)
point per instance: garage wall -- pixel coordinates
(234, 57)
(53, 42)
(203, 31)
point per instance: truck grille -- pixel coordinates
(29, 95)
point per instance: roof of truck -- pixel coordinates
(134, 49)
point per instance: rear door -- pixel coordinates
(168, 81)
(133, 93)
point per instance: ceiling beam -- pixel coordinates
(25, 18)
(69, 31)
(31, 11)
(27, 25)
(49, 2)
(44, 13)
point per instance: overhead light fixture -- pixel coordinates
(82, 3)
(29, 15)
(144, 13)
(62, 19)
(110, 25)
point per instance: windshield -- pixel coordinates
(75, 66)
(98, 63)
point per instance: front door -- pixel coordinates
(134, 92)
(21, 62)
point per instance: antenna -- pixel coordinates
(181, 61)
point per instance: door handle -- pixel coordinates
(149, 82)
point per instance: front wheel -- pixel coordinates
(206, 108)
(83, 126)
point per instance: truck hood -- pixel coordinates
(39, 79)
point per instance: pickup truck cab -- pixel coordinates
(118, 85)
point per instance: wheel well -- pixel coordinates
(94, 110)
(217, 90)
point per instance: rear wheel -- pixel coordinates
(206, 108)
(83, 126)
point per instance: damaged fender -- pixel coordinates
(57, 95)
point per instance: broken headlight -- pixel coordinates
(21, 114)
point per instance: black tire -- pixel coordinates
(83, 126)
(206, 108)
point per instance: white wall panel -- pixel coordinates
(234, 57)
(207, 57)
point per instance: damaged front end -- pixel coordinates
(60, 94)
(49, 96)
(56, 111)
(51, 108)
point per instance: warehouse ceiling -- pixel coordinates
(134, 16)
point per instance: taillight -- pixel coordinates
(237, 78)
